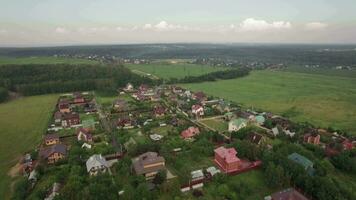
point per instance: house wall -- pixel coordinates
(52, 142)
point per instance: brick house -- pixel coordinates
(51, 139)
(53, 153)
(312, 139)
(84, 135)
(70, 119)
(226, 159)
(198, 110)
(148, 164)
(190, 133)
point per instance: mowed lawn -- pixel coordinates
(177, 70)
(319, 99)
(22, 123)
(43, 60)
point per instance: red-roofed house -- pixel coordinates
(190, 133)
(159, 111)
(84, 135)
(70, 119)
(198, 110)
(78, 98)
(63, 106)
(199, 96)
(226, 159)
(311, 139)
(347, 144)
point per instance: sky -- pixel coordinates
(76, 22)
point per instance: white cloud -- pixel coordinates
(252, 24)
(61, 30)
(315, 26)
(147, 26)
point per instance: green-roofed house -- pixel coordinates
(237, 124)
(89, 124)
(303, 161)
(260, 119)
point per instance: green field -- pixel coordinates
(43, 60)
(320, 99)
(166, 70)
(217, 124)
(22, 122)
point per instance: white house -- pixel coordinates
(198, 110)
(96, 164)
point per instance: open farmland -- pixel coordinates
(320, 99)
(22, 123)
(43, 60)
(166, 70)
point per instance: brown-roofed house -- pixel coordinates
(57, 117)
(148, 164)
(199, 96)
(288, 194)
(78, 98)
(84, 135)
(53, 153)
(312, 138)
(64, 106)
(255, 138)
(70, 119)
(51, 139)
(159, 111)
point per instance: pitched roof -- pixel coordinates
(145, 159)
(190, 132)
(96, 160)
(52, 136)
(288, 194)
(229, 155)
(238, 122)
(57, 148)
(305, 162)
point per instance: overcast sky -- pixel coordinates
(68, 22)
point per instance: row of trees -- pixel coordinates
(213, 76)
(33, 79)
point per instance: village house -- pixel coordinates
(287, 194)
(237, 124)
(120, 105)
(259, 120)
(64, 106)
(96, 164)
(139, 97)
(213, 171)
(190, 133)
(70, 119)
(57, 118)
(159, 111)
(312, 139)
(27, 164)
(53, 153)
(51, 139)
(223, 106)
(199, 96)
(155, 98)
(84, 135)
(148, 164)
(143, 88)
(198, 110)
(177, 90)
(78, 98)
(197, 175)
(302, 161)
(125, 122)
(226, 159)
(129, 87)
(255, 138)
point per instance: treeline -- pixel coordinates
(4, 94)
(34, 79)
(213, 76)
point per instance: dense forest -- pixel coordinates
(325, 55)
(35, 79)
(213, 76)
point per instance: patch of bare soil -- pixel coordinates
(14, 171)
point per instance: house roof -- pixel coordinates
(57, 148)
(196, 107)
(145, 159)
(260, 119)
(190, 132)
(84, 131)
(96, 160)
(305, 162)
(229, 155)
(238, 122)
(71, 116)
(52, 136)
(159, 110)
(288, 194)
(255, 138)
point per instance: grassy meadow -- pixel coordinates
(22, 122)
(320, 99)
(43, 60)
(167, 70)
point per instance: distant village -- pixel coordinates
(108, 132)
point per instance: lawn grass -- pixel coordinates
(22, 124)
(177, 70)
(320, 99)
(217, 124)
(43, 60)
